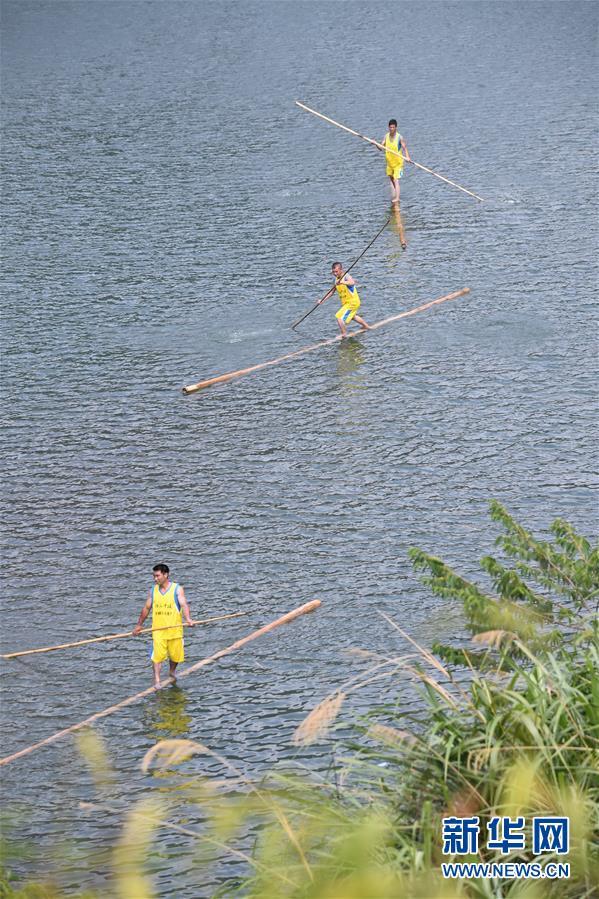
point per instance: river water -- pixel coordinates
(168, 212)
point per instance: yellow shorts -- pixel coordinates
(167, 649)
(346, 313)
(395, 172)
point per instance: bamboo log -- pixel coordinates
(146, 630)
(285, 619)
(220, 379)
(429, 305)
(386, 149)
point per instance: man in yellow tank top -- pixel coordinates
(168, 604)
(345, 286)
(394, 142)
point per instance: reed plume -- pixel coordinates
(316, 726)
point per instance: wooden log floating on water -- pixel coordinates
(285, 619)
(146, 630)
(221, 379)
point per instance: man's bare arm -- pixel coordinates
(143, 615)
(185, 606)
(326, 296)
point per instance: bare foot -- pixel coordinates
(156, 684)
(404, 245)
(365, 327)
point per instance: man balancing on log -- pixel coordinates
(167, 601)
(350, 300)
(394, 141)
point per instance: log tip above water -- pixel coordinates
(311, 606)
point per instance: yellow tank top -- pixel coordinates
(348, 295)
(166, 611)
(393, 143)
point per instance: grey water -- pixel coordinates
(167, 213)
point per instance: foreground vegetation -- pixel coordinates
(510, 727)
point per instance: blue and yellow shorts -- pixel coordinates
(395, 172)
(164, 649)
(346, 313)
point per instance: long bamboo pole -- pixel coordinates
(220, 379)
(285, 619)
(375, 143)
(146, 630)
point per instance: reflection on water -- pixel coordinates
(349, 360)
(396, 225)
(166, 717)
